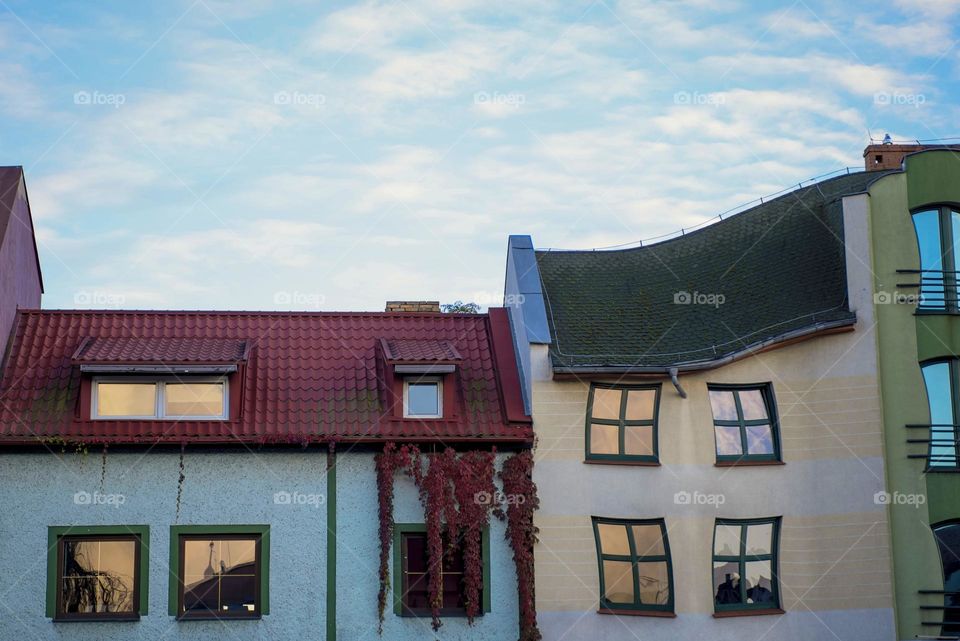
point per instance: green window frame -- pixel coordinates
(56, 535)
(745, 426)
(181, 533)
(767, 601)
(630, 422)
(399, 572)
(640, 560)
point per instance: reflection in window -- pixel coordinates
(744, 564)
(423, 398)
(97, 577)
(220, 575)
(940, 378)
(635, 566)
(948, 542)
(938, 240)
(744, 423)
(173, 399)
(622, 422)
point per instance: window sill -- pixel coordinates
(133, 618)
(747, 463)
(639, 613)
(728, 614)
(615, 462)
(213, 617)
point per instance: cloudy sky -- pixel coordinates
(256, 154)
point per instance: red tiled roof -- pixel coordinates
(399, 349)
(160, 350)
(307, 377)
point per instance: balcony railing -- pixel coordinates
(940, 442)
(935, 290)
(945, 616)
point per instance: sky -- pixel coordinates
(260, 154)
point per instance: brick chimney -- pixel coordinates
(890, 155)
(413, 306)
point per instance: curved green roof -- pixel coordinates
(763, 275)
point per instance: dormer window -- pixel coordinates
(118, 398)
(423, 397)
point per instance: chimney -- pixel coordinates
(889, 155)
(413, 306)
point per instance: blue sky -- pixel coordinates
(285, 155)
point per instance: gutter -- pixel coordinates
(672, 371)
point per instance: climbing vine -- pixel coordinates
(458, 495)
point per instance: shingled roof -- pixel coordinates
(760, 276)
(305, 377)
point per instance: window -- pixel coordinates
(948, 543)
(222, 571)
(636, 574)
(745, 423)
(938, 238)
(745, 565)
(412, 563)
(622, 423)
(941, 379)
(423, 397)
(97, 572)
(115, 398)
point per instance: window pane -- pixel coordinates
(648, 540)
(238, 593)
(613, 539)
(723, 405)
(604, 439)
(726, 583)
(936, 377)
(423, 399)
(98, 576)
(654, 583)
(220, 575)
(126, 399)
(640, 404)
(948, 543)
(753, 406)
(638, 440)
(927, 226)
(759, 439)
(760, 539)
(727, 540)
(606, 403)
(759, 582)
(416, 558)
(955, 228)
(618, 581)
(194, 399)
(728, 440)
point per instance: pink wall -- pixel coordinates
(19, 272)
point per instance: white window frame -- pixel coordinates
(406, 395)
(159, 403)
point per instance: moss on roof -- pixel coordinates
(773, 269)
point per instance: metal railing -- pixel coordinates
(948, 619)
(936, 290)
(940, 442)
